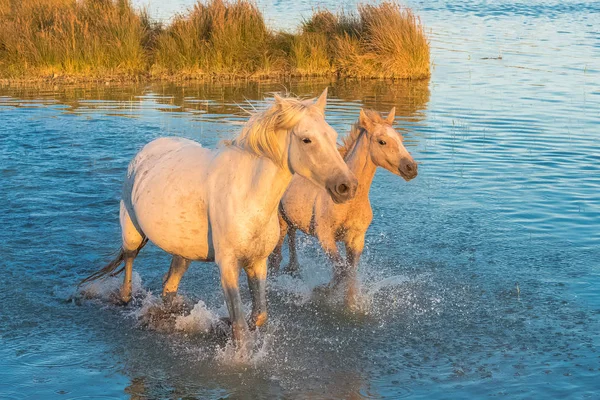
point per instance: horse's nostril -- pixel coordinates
(342, 189)
(409, 167)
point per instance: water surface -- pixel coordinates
(480, 277)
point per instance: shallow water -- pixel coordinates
(480, 277)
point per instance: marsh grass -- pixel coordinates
(85, 37)
(215, 38)
(219, 37)
(381, 41)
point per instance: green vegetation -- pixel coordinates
(93, 39)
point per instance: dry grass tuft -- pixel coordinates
(396, 39)
(218, 37)
(87, 37)
(107, 38)
(382, 41)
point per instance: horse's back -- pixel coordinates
(163, 158)
(165, 195)
(158, 150)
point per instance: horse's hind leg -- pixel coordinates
(126, 288)
(133, 241)
(178, 267)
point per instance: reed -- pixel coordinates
(215, 38)
(85, 37)
(395, 36)
(381, 41)
(218, 37)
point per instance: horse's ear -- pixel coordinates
(391, 115)
(364, 120)
(322, 101)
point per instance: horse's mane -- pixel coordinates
(260, 134)
(350, 139)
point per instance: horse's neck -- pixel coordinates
(360, 163)
(269, 181)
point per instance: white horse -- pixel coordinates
(221, 205)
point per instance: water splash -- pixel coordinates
(378, 295)
(254, 352)
(107, 289)
(199, 320)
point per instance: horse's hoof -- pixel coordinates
(352, 305)
(257, 321)
(168, 298)
(120, 302)
(242, 339)
(122, 299)
(352, 300)
(222, 328)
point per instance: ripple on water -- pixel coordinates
(52, 353)
(11, 395)
(52, 357)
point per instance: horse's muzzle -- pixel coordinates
(342, 190)
(408, 170)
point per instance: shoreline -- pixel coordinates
(115, 80)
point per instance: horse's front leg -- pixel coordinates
(230, 273)
(293, 266)
(275, 258)
(339, 265)
(257, 278)
(355, 243)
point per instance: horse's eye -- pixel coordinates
(307, 140)
(382, 142)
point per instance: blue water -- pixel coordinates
(480, 277)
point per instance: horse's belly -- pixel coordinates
(189, 244)
(177, 232)
(166, 192)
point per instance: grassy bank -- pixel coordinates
(109, 39)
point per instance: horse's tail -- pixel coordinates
(109, 269)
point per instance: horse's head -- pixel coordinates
(312, 153)
(387, 149)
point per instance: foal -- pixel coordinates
(372, 143)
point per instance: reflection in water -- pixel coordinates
(409, 97)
